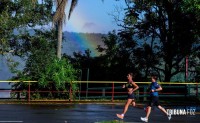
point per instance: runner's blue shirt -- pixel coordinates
(154, 86)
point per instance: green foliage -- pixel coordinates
(60, 72)
(155, 36)
(197, 77)
(20, 14)
(191, 5)
(18, 19)
(166, 32)
(35, 96)
(43, 66)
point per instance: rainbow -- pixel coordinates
(86, 43)
(82, 41)
(79, 42)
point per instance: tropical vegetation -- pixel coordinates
(159, 36)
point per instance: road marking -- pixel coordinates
(119, 121)
(11, 121)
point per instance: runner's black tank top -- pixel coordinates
(129, 85)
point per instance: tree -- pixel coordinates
(168, 31)
(16, 16)
(192, 6)
(117, 54)
(35, 46)
(59, 19)
(43, 65)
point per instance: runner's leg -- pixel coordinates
(121, 116)
(133, 103)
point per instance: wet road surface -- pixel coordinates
(83, 113)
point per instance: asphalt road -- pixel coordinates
(84, 113)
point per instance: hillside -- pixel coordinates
(79, 42)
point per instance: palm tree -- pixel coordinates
(59, 19)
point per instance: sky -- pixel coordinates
(93, 16)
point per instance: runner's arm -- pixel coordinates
(158, 89)
(135, 85)
(123, 86)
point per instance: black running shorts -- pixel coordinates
(131, 96)
(154, 101)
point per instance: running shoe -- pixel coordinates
(120, 116)
(144, 119)
(169, 116)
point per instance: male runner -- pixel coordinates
(154, 88)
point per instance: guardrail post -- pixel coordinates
(186, 89)
(189, 88)
(113, 88)
(197, 90)
(70, 93)
(103, 92)
(29, 92)
(144, 94)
